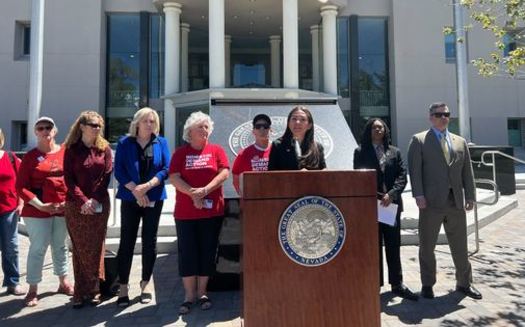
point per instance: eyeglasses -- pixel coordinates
(259, 126)
(441, 114)
(93, 125)
(44, 128)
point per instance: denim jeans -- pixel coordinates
(42, 233)
(9, 248)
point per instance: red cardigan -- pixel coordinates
(41, 173)
(8, 196)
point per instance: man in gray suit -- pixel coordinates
(442, 178)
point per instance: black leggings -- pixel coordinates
(131, 214)
(197, 242)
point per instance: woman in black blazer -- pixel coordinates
(297, 148)
(377, 153)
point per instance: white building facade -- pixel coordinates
(382, 58)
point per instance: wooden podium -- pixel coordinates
(280, 292)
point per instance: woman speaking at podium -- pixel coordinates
(297, 148)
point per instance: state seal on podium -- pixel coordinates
(312, 231)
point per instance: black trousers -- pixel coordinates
(130, 216)
(390, 236)
(197, 245)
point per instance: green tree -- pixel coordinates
(505, 19)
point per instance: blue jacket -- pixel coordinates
(127, 167)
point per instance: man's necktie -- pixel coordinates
(444, 147)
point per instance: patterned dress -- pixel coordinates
(87, 172)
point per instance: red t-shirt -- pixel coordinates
(251, 159)
(42, 173)
(198, 168)
(8, 197)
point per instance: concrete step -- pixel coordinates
(166, 226)
(409, 217)
(167, 237)
(486, 215)
(165, 244)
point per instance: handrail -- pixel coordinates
(493, 152)
(494, 201)
(494, 188)
(492, 163)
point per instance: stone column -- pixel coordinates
(172, 11)
(216, 43)
(329, 14)
(185, 30)
(314, 31)
(290, 45)
(227, 54)
(36, 65)
(275, 46)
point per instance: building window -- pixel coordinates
(453, 126)
(343, 57)
(509, 43)
(18, 135)
(22, 40)
(369, 71)
(135, 68)
(514, 131)
(450, 47)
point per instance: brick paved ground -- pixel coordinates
(499, 273)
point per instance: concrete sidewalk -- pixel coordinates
(499, 273)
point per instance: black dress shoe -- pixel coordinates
(470, 291)
(404, 292)
(427, 292)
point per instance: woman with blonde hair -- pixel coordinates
(141, 167)
(10, 209)
(87, 171)
(40, 183)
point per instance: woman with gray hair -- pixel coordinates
(10, 209)
(141, 167)
(197, 170)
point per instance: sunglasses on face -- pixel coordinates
(44, 128)
(441, 114)
(259, 126)
(93, 125)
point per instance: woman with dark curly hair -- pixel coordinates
(377, 153)
(297, 148)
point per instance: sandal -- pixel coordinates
(185, 307)
(31, 299)
(205, 303)
(95, 300)
(78, 303)
(66, 289)
(123, 301)
(145, 295)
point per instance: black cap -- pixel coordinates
(262, 117)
